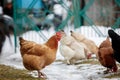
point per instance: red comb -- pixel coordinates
(58, 33)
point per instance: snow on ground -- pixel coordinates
(57, 70)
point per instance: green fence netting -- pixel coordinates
(21, 16)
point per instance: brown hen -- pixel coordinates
(105, 56)
(37, 56)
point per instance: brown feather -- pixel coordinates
(37, 56)
(105, 55)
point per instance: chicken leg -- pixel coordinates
(107, 71)
(41, 75)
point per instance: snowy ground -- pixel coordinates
(58, 70)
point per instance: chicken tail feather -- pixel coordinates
(113, 34)
(21, 40)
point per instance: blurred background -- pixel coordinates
(84, 16)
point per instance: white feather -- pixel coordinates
(71, 50)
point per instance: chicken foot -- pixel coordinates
(107, 71)
(41, 75)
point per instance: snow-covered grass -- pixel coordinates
(83, 70)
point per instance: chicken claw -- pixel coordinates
(42, 75)
(107, 71)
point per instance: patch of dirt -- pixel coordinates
(10, 73)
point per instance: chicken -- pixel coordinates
(6, 28)
(89, 43)
(105, 56)
(71, 50)
(115, 39)
(38, 56)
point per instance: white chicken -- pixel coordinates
(89, 43)
(71, 50)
